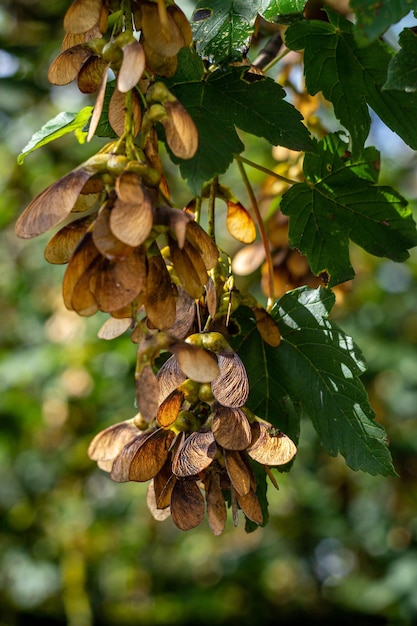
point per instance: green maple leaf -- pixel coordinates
(317, 367)
(222, 28)
(339, 201)
(60, 125)
(230, 99)
(283, 11)
(402, 69)
(352, 77)
(374, 18)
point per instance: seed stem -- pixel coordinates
(265, 170)
(265, 243)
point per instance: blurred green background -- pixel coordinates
(79, 550)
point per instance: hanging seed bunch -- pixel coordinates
(149, 264)
(203, 439)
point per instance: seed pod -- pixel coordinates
(84, 256)
(91, 73)
(61, 246)
(231, 388)
(131, 218)
(55, 203)
(238, 471)
(270, 446)
(180, 131)
(132, 67)
(187, 504)
(249, 504)
(117, 112)
(168, 410)
(147, 389)
(117, 283)
(159, 64)
(98, 105)
(185, 270)
(169, 377)
(184, 315)
(114, 327)
(267, 327)
(160, 304)
(159, 514)
(196, 363)
(104, 239)
(216, 506)
(107, 444)
(121, 464)
(82, 15)
(205, 245)
(196, 454)
(239, 223)
(163, 484)
(231, 428)
(151, 456)
(66, 66)
(175, 219)
(165, 38)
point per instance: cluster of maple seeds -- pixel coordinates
(203, 438)
(193, 430)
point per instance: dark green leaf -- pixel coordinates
(283, 11)
(318, 366)
(352, 78)
(235, 98)
(59, 126)
(402, 69)
(190, 68)
(222, 28)
(374, 18)
(338, 202)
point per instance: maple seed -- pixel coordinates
(180, 130)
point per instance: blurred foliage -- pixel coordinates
(77, 549)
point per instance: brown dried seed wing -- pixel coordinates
(84, 256)
(160, 304)
(203, 243)
(117, 283)
(180, 131)
(175, 219)
(82, 15)
(114, 327)
(169, 377)
(238, 472)
(61, 246)
(132, 223)
(132, 67)
(216, 506)
(104, 239)
(107, 444)
(151, 456)
(157, 513)
(231, 428)
(239, 223)
(270, 447)
(231, 388)
(198, 364)
(267, 327)
(65, 67)
(163, 483)
(117, 112)
(196, 454)
(184, 315)
(167, 39)
(187, 504)
(168, 410)
(98, 105)
(147, 389)
(182, 23)
(159, 64)
(53, 205)
(185, 270)
(121, 464)
(249, 504)
(90, 75)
